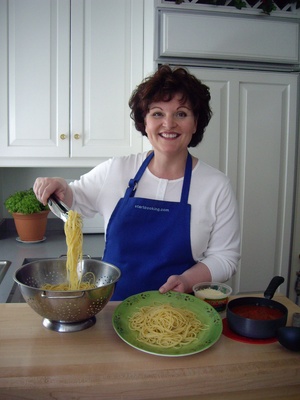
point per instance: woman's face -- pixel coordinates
(170, 125)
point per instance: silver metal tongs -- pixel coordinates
(58, 208)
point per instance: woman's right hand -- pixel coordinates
(45, 187)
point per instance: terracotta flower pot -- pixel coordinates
(31, 227)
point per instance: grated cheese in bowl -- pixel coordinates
(214, 293)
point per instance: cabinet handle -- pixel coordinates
(63, 136)
(76, 136)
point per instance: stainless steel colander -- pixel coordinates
(66, 311)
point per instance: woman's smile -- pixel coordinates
(169, 135)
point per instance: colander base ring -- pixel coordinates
(58, 326)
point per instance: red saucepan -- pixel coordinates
(257, 317)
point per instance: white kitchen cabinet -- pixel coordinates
(34, 79)
(67, 71)
(106, 65)
(252, 138)
(253, 133)
(235, 36)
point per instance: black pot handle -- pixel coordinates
(273, 285)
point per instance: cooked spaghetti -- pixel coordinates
(74, 239)
(165, 326)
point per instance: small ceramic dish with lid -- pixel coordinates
(214, 293)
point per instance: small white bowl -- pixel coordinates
(214, 293)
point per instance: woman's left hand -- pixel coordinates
(184, 283)
(177, 283)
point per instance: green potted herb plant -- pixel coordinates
(30, 216)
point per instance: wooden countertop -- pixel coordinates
(36, 363)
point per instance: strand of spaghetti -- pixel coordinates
(165, 326)
(74, 239)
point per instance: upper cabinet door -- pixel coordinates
(34, 78)
(106, 65)
(191, 34)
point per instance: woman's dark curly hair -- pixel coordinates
(163, 85)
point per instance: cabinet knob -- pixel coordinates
(76, 136)
(63, 136)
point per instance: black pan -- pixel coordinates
(243, 314)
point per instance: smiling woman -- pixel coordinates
(197, 239)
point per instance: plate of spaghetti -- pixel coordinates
(171, 324)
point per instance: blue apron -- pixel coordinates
(149, 240)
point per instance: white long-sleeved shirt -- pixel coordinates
(215, 230)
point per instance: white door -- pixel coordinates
(34, 78)
(252, 138)
(106, 65)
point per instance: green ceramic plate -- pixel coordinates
(207, 314)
